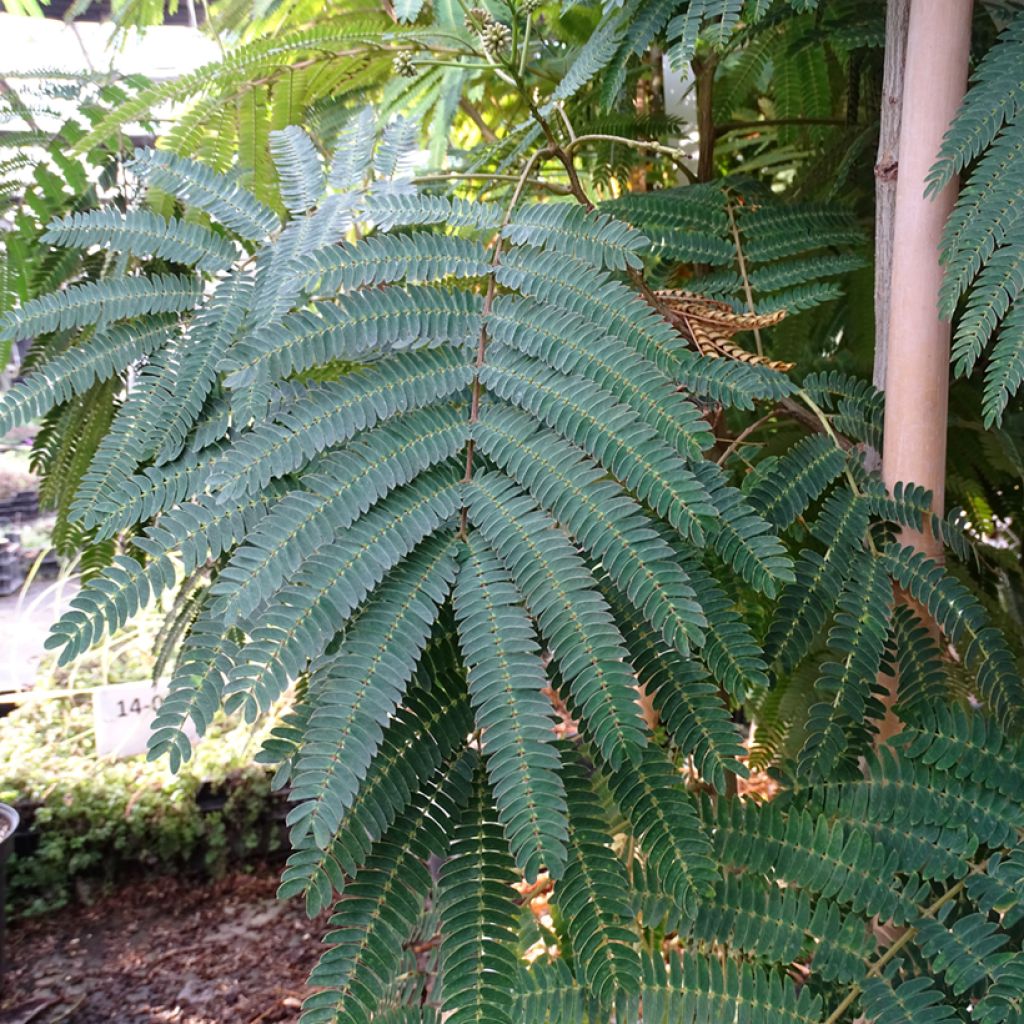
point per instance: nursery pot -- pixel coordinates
(8, 826)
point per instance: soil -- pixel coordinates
(165, 951)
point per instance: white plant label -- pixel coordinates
(123, 717)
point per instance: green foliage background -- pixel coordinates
(96, 825)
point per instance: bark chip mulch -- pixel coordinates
(164, 951)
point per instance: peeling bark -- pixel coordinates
(897, 20)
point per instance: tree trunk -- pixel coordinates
(704, 73)
(917, 361)
(897, 19)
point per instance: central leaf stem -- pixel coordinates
(492, 288)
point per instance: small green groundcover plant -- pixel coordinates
(433, 468)
(92, 824)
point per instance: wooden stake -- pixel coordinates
(917, 370)
(917, 364)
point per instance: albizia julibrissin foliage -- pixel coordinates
(441, 482)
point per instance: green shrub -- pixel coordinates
(98, 821)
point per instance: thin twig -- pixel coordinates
(741, 261)
(797, 412)
(745, 433)
(477, 118)
(526, 45)
(837, 440)
(874, 969)
(461, 65)
(560, 107)
(214, 30)
(81, 44)
(551, 186)
(826, 424)
(655, 147)
(574, 178)
(776, 122)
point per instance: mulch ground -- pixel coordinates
(164, 951)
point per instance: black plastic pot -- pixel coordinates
(8, 825)
(12, 567)
(20, 508)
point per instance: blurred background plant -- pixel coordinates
(89, 823)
